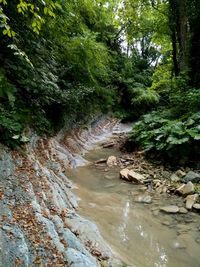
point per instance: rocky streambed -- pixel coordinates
(148, 213)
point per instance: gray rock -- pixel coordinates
(135, 177)
(170, 209)
(182, 228)
(143, 199)
(186, 189)
(6, 165)
(183, 210)
(180, 173)
(167, 223)
(192, 177)
(7, 228)
(197, 239)
(78, 259)
(190, 201)
(155, 212)
(196, 206)
(174, 178)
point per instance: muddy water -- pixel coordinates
(137, 233)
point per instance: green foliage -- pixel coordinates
(174, 139)
(144, 96)
(37, 11)
(133, 80)
(60, 76)
(68, 59)
(7, 90)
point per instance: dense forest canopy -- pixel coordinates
(62, 61)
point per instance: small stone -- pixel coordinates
(189, 220)
(192, 177)
(154, 208)
(180, 173)
(112, 161)
(184, 228)
(155, 212)
(167, 223)
(135, 177)
(174, 178)
(100, 161)
(190, 201)
(170, 209)
(183, 210)
(108, 145)
(186, 189)
(143, 199)
(161, 189)
(7, 228)
(197, 240)
(196, 206)
(156, 181)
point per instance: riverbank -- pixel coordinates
(39, 223)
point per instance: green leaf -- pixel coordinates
(45, 10)
(16, 137)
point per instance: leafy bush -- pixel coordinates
(175, 139)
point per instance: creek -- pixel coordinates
(139, 234)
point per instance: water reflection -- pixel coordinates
(123, 226)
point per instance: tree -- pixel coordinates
(37, 10)
(184, 17)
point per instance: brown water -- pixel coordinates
(137, 233)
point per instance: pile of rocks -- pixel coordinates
(157, 180)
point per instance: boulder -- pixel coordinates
(112, 161)
(124, 174)
(192, 177)
(191, 200)
(170, 209)
(185, 189)
(131, 176)
(135, 177)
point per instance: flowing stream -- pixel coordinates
(137, 233)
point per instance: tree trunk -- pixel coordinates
(178, 25)
(174, 53)
(195, 43)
